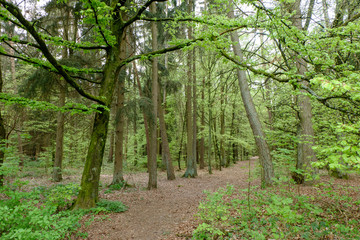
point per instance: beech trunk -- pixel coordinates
(267, 172)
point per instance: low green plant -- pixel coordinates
(110, 206)
(279, 214)
(35, 215)
(116, 187)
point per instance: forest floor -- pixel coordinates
(167, 212)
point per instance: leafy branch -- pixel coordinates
(15, 11)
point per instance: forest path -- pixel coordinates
(161, 213)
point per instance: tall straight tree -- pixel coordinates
(152, 164)
(59, 150)
(2, 131)
(190, 116)
(305, 131)
(165, 143)
(267, 173)
(118, 176)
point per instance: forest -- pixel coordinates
(179, 119)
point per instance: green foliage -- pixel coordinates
(279, 214)
(111, 206)
(9, 99)
(116, 187)
(35, 214)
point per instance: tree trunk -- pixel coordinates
(267, 172)
(202, 140)
(165, 144)
(146, 121)
(118, 176)
(305, 153)
(190, 116)
(111, 148)
(57, 171)
(194, 113)
(20, 143)
(222, 129)
(2, 133)
(152, 164)
(89, 187)
(59, 151)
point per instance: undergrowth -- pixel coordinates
(328, 212)
(42, 213)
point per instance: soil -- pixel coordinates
(167, 212)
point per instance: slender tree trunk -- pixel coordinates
(305, 153)
(118, 176)
(190, 116)
(234, 131)
(59, 151)
(194, 113)
(2, 132)
(152, 164)
(326, 13)
(209, 129)
(146, 121)
(267, 172)
(222, 128)
(165, 144)
(135, 138)
(111, 148)
(20, 143)
(202, 140)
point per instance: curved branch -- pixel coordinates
(97, 23)
(15, 11)
(140, 11)
(5, 38)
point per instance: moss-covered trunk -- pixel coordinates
(88, 194)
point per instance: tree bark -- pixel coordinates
(2, 132)
(111, 148)
(305, 153)
(190, 116)
(146, 121)
(267, 172)
(59, 151)
(89, 191)
(165, 144)
(222, 129)
(202, 139)
(152, 164)
(118, 176)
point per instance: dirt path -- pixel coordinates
(167, 211)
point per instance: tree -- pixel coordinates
(190, 108)
(109, 26)
(152, 164)
(267, 173)
(2, 133)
